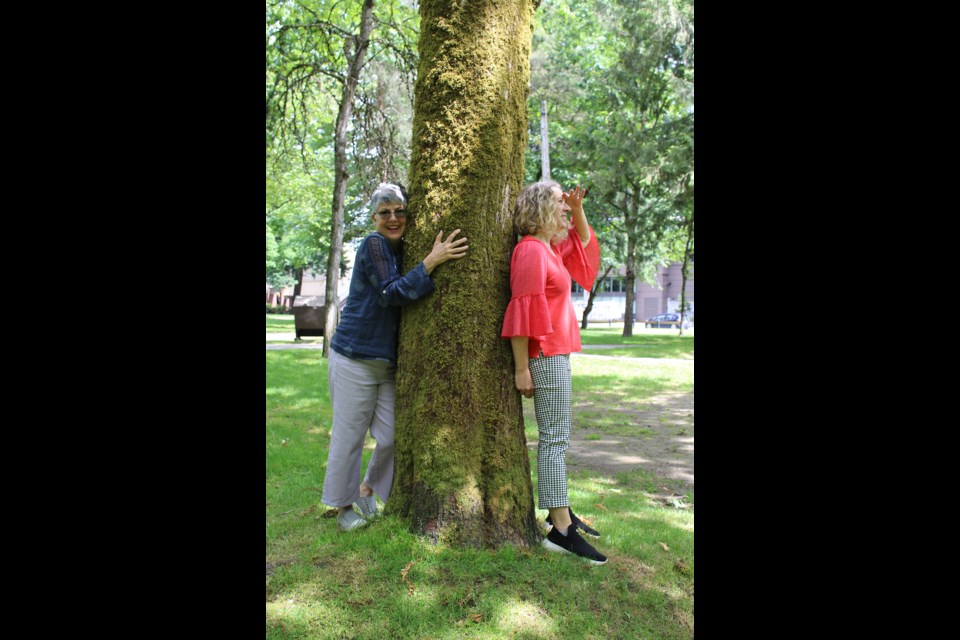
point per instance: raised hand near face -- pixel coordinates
(574, 198)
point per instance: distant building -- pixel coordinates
(649, 300)
(314, 284)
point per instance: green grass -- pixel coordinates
(609, 393)
(323, 583)
(645, 343)
(279, 323)
(610, 381)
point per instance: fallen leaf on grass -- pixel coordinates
(665, 547)
(600, 506)
(403, 576)
(476, 617)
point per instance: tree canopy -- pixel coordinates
(308, 54)
(616, 77)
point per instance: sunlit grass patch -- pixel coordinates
(280, 323)
(643, 344)
(638, 352)
(601, 380)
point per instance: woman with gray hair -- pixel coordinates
(363, 356)
(542, 327)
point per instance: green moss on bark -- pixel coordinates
(462, 467)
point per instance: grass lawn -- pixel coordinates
(644, 343)
(279, 323)
(383, 582)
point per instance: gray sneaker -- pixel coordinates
(349, 520)
(368, 506)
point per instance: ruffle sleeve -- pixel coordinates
(527, 316)
(582, 262)
(528, 313)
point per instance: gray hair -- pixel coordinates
(387, 193)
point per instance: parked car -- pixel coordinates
(666, 321)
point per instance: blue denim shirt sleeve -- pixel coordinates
(383, 273)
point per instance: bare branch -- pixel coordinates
(280, 205)
(310, 25)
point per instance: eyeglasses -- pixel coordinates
(399, 215)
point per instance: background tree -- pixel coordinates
(622, 96)
(683, 249)
(462, 466)
(317, 55)
(295, 222)
(646, 109)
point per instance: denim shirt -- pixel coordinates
(370, 319)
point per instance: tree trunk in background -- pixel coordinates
(631, 223)
(631, 286)
(685, 272)
(298, 276)
(593, 294)
(462, 466)
(544, 142)
(356, 50)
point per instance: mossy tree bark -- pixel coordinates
(463, 472)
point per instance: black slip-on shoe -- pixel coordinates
(573, 543)
(587, 529)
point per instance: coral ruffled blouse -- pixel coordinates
(540, 307)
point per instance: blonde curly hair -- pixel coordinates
(537, 208)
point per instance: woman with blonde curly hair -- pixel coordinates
(542, 327)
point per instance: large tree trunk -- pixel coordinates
(356, 50)
(463, 472)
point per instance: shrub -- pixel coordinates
(278, 309)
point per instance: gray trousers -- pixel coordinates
(551, 403)
(361, 392)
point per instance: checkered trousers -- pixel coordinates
(551, 402)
